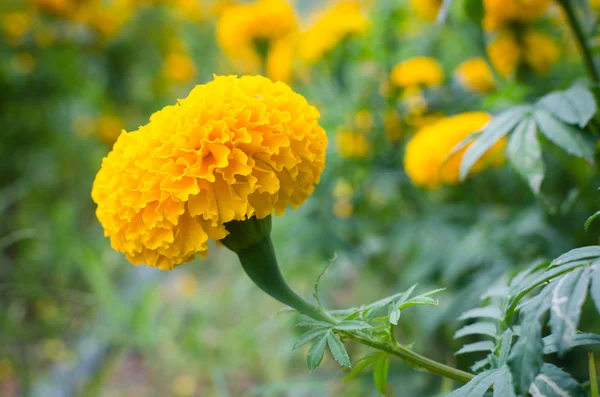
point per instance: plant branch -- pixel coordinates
(581, 39)
(414, 359)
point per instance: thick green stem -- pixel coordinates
(415, 359)
(260, 264)
(581, 40)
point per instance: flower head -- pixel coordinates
(352, 145)
(505, 53)
(418, 71)
(235, 148)
(500, 13)
(344, 19)
(247, 31)
(426, 9)
(540, 51)
(427, 150)
(475, 75)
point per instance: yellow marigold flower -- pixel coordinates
(426, 9)
(352, 145)
(330, 28)
(475, 75)
(57, 7)
(246, 31)
(418, 71)
(500, 13)
(343, 208)
(505, 53)
(106, 18)
(595, 4)
(364, 120)
(427, 150)
(234, 148)
(179, 67)
(540, 51)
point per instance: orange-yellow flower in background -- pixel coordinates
(342, 193)
(57, 7)
(500, 13)
(330, 28)
(426, 9)
(246, 30)
(540, 51)
(280, 60)
(233, 149)
(475, 75)
(352, 145)
(418, 71)
(427, 150)
(179, 67)
(15, 25)
(505, 53)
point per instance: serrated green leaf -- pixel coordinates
(362, 364)
(525, 153)
(574, 106)
(311, 323)
(595, 285)
(308, 336)
(478, 386)
(482, 312)
(505, 346)
(500, 126)
(568, 297)
(589, 220)
(351, 325)
(563, 135)
(316, 352)
(395, 308)
(554, 382)
(338, 350)
(581, 339)
(526, 355)
(503, 384)
(482, 346)
(577, 254)
(483, 328)
(380, 373)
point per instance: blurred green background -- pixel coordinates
(77, 320)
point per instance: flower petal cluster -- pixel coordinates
(243, 28)
(330, 28)
(501, 13)
(427, 150)
(418, 71)
(233, 149)
(475, 75)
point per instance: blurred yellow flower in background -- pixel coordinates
(363, 119)
(57, 7)
(108, 128)
(342, 194)
(247, 32)
(330, 28)
(540, 51)
(15, 25)
(504, 53)
(280, 61)
(427, 150)
(392, 125)
(426, 9)
(179, 67)
(352, 145)
(418, 71)
(232, 149)
(501, 13)
(475, 75)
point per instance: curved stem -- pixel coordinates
(415, 359)
(581, 39)
(260, 264)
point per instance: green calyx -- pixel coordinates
(251, 241)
